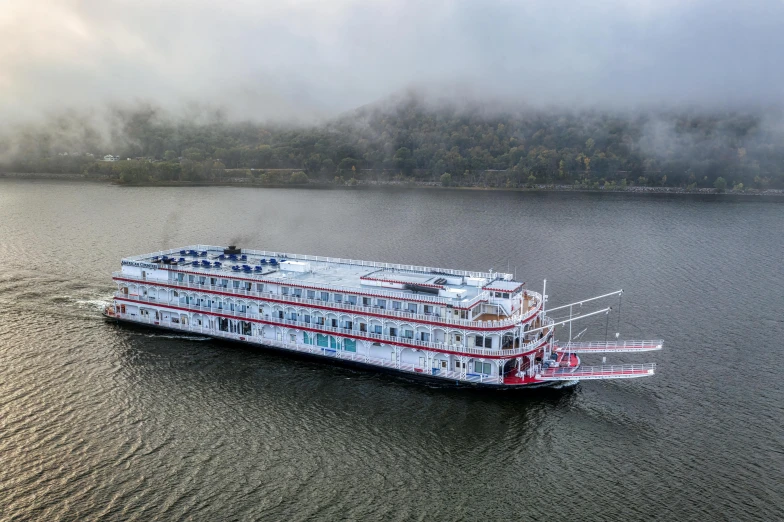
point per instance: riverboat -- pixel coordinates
(475, 328)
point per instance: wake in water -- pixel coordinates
(565, 384)
(93, 304)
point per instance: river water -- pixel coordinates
(104, 421)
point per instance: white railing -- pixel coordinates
(512, 321)
(610, 347)
(369, 336)
(313, 349)
(618, 371)
(334, 260)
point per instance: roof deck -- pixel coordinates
(455, 287)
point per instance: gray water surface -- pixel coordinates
(118, 423)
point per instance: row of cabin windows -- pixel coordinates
(353, 300)
(208, 303)
(312, 294)
(504, 295)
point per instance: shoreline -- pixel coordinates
(385, 185)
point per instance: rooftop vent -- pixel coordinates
(232, 250)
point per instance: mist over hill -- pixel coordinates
(489, 93)
(413, 138)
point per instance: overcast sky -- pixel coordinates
(298, 59)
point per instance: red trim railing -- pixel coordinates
(352, 334)
(512, 321)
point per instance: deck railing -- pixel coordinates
(369, 336)
(617, 371)
(322, 259)
(610, 347)
(319, 350)
(376, 291)
(509, 322)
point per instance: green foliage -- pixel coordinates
(412, 142)
(299, 178)
(720, 184)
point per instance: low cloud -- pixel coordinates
(306, 60)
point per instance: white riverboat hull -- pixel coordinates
(443, 325)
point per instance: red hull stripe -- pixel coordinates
(304, 328)
(320, 307)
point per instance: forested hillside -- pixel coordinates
(412, 141)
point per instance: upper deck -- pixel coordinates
(455, 288)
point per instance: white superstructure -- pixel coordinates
(454, 325)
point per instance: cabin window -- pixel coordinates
(365, 301)
(293, 338)
(213, 281)
(191, 279)
(458, 364)
(377, 329)
(319, 320)
(484, 342)
(202, 280)
(284, 290)
(382, 303)
(352, 299)
(224, 283)
(348, 325)
(362, 327)
(280, 314)
(458, 338)
(297, 292)
(325, 296)
(425, 336)
(333, 323)
(412, 307)
(311, 294)
(338, 298)
(307, 319)
(392, 332)
(428, 309)
(235, 284)
(483, 368)
(397, 305)
(293, 316)
(180, 277)
(408, 334)
(506, 295)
